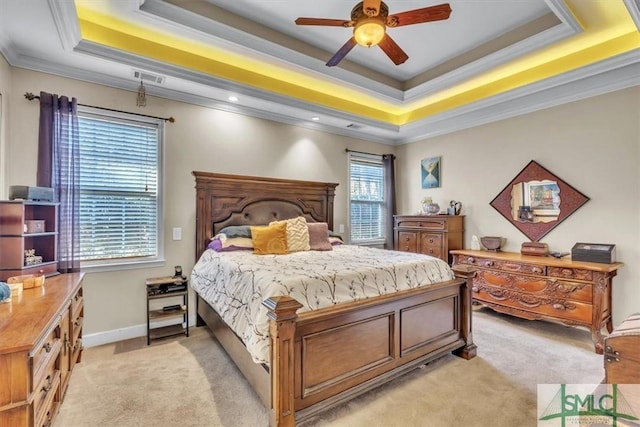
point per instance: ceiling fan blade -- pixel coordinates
(393, 51)
(342, 52)
(325, 22)
(371, 7)
(417, 16)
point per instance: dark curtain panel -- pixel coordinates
(58, 167)
(388, 161)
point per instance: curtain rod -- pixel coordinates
(346, 150)
(30, 96)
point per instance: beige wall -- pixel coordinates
(5, 90)
(202, 139)
(593, 144)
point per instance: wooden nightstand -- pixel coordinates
(174, 290)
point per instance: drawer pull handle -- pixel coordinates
(489, 263)
(471, 260)
(536, 270)
(567, 272)
(406, 239)
(47, 347)
(558, 306)
(475, 289)
(47, 386)
(430, 240)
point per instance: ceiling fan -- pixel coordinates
(370, 19)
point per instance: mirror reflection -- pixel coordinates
(535, 201)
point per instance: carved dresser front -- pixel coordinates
(535, 287)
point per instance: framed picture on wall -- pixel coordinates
(430, 171)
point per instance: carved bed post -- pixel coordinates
(466, 273)
(282, 331)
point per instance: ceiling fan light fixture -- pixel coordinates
(369, 32)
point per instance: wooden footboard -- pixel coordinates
(322, 358)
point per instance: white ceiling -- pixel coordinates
(479, 36)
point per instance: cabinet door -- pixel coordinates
(431, 244)
(407, 241)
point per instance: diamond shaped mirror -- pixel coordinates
(536, 201)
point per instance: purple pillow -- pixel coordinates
(319, 236)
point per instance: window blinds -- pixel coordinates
(118, 188)
(366, 177)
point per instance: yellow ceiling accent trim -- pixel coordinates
(112, 32)
(609, 30)
(604, 50)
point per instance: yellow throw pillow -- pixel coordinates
(271, 239)
(297, 234)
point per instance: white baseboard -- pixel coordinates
(115, 335)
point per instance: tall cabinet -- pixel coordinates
(433, 235)
(28, 225)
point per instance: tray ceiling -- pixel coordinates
(491, 59)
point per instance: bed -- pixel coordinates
(321, 357)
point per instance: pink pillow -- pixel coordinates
(319, 236)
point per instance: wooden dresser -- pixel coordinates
(433, 235)
(40, 342)
(536, 287)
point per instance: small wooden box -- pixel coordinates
(28, 280)
(534, 248)
(621, 356)
(594, 252)
(34, 226)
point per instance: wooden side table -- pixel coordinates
(161, 288)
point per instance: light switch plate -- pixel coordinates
(177, 233)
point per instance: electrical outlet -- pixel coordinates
(177, 233)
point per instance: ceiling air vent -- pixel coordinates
(148, 77)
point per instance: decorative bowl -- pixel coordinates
(491, 243)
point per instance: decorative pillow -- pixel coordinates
(319, 236)
(271, 239)
(237, 231)
(221, 243)
(336, 240)
(297, 234)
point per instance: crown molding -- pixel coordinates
(66, 20)
(633, 6)
(617, 73)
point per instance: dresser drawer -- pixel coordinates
(540, 286)
(570, 273)
(431, 244)
(42, 355)
(538, 306)
(433, 223)
(407, 241)
(514, 267)
(49, 406)
(44, 389)
(77, 304)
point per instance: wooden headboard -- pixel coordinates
(223, 200)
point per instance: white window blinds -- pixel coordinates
(366, 205)
(119, 204)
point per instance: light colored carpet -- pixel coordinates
(191, 382)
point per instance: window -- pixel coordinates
(366, 201)
(120, 158)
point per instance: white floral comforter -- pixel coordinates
(236, 283)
